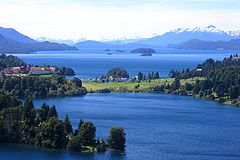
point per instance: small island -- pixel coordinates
(120, 51)
(107, 50)
(144, 51)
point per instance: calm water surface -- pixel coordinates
(94, 63)
(158, 126)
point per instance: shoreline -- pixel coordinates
(147, 87)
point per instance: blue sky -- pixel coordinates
(113, 19)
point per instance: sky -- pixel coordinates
(115, 19)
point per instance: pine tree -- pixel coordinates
(67, 125)
(52, 112)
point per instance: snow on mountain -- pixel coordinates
(210, 28)
(209, 33)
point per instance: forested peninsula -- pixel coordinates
(25, 124)
(213, 80)
(21, 79)
(22, 123)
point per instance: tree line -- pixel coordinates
(217, 80)
(42, 86)
(150, 76)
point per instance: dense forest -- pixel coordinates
(219, 80)
(22, 123)
(150, 76)
(10, 61)
(42, 86)
(117, 73)
(39, 86)
(66, 71)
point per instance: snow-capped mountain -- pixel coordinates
(210, 28)
(209, 33)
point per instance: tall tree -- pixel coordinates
(87, 134)
(67, 125)
(117, 138)
(52, 112)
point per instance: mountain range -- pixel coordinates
(209, 33)
(210, 37)
(11, 41)
(233, 44)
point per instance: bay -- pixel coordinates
(158, 126)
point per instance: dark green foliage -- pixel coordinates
(52, 134)
(43, 112)
(117, 139)
(25, 124)
(7, 101)
(10, 121)
(41, 87)
(87, 133)
(222, 79)
(158, 88)
(67, 125)
(101, 147)
(77, 82)
(150, 76)
(188, 87)
(66, 71)
(52, 112)
(175, 84)
(41, 127)
(29, 114)
(118, 73)
(141, 76)
(10, 61)
(79, 126)
(105, 90)
(81, 122)
(75, 144)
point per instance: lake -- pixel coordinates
(92, 63)
(158, 126)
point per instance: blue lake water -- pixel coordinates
(158, 126)
(94, 63)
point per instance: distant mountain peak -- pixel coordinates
(210, 28)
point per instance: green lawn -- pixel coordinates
(144, 86)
